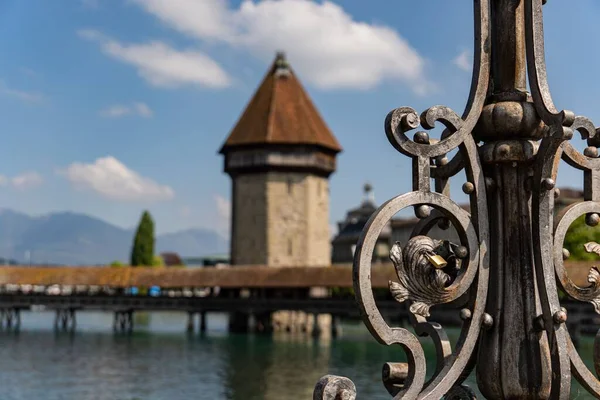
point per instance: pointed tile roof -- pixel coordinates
(281, 113)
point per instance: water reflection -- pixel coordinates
(160, 361)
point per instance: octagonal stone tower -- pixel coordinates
(280, 155)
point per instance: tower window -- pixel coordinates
(290, 185)
(290, 247)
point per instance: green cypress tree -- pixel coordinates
(142, 252)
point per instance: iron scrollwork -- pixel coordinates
(432, 272)
(421, 279)
(425, 268)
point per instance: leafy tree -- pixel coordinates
(578, 235)
(142, 252)
(157, 261)
(116, 264)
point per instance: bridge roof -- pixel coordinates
(232, 277)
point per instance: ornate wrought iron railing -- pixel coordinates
(505, 270)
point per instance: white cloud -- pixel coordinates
(203, 19)
(464, 61)
(110, 178)
(327, 46)
(120, 110)
(26, 180)
(142, 109)
(27, 97)
(162, 65)
(224, 213)
(23, 181)
(115, 111)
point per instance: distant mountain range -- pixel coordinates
(78, 239)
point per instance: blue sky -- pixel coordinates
(110, 107)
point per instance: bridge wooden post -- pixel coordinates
(10, 318)
(123, 321)
(335, 328)
(316, 328)
(202, 321)
(190, 322)
(65, 319)
(17, 318)
(129, 321)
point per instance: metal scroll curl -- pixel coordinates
(454, 364)
(590, 293)
(548, 242)
(472, 230)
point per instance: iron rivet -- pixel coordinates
(441, 161)
(556, 193)
(592, 219)
(423, 211)
(560, 317)
(566, 254)
(465, 314)
(468, 187)
(548, 184)
(461, 252)
(591, 152)
(421, 137)
(487, 322)
(444, 224)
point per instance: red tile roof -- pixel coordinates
(281, 113)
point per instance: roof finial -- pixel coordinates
(282, 68)
(369, 195)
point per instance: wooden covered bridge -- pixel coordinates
(252, 290)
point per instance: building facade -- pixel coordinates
(349, 230)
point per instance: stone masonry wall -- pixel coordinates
(249, 220)
(280, 219)
(298, 220)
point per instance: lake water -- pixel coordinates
(160, 361)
